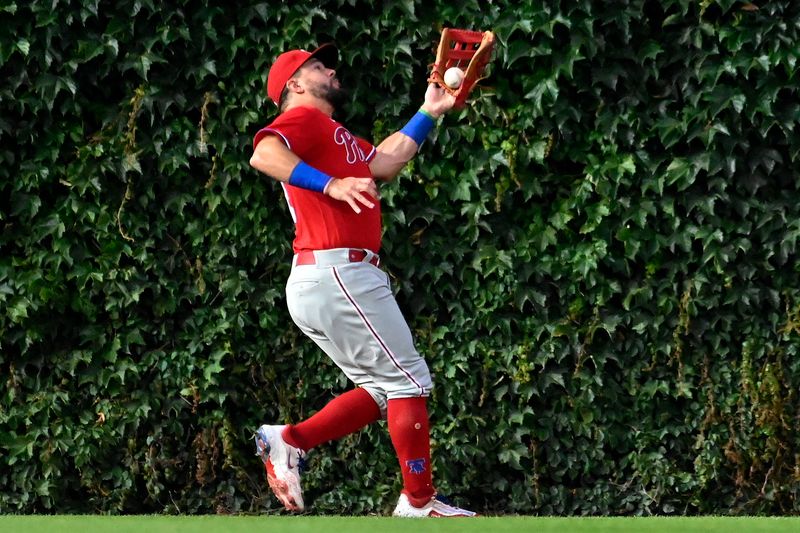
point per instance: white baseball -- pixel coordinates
(453, 77)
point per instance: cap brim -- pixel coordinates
(328, 54)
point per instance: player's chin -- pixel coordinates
(337, 97)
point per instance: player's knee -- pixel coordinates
(380, 397)
(411, 386)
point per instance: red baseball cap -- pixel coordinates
(288, 62)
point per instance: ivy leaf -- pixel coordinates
(24, 46)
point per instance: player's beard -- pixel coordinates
(335, 96)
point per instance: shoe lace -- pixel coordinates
(445, 504)
(445, 500)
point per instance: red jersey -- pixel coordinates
(322, 222)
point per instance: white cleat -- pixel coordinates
(436, 508)
(282, 462)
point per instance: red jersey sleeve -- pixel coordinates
(368, 149)
(292, 127)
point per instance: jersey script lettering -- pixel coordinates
(346, 139)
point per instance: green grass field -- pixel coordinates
(276, 524)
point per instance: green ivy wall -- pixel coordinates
(598, 257)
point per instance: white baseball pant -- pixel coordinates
(344, 303)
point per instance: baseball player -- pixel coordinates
(337, 293)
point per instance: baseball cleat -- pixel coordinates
(282, 462)
(436, 508)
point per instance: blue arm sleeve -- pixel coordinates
(418, 127)
(308, 177)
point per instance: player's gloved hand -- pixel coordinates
(437, 100)
(354, 191)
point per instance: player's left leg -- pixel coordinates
(387, 353)
(408, 428)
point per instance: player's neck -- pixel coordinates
(316, 103)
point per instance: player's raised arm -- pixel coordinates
(396, 150)
(449, 87)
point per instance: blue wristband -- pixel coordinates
(308, 177)
(418, 127)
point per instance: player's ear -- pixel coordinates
(294, 86)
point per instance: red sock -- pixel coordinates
(345, 414)
(408, 428)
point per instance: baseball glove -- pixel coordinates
(460, 48)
